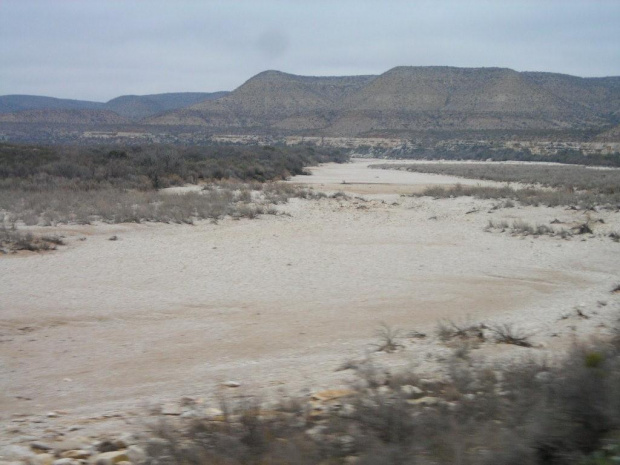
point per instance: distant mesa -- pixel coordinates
(408, 99)
(401, 101)
(133, 107)
(62, 116)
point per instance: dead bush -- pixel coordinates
(448, 330)
(506, 333)
(388, 338)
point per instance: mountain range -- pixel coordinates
(400, 101)
(131, 107)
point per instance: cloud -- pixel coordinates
(99, 50)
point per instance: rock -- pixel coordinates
(52, 414)
(77, 443)
(129, 438)
(543, 377)
(214, 414)
(156, 447)
(66, 462)
(426, 401)
(231, 384)
(41, 459)
(111, 445)
(347, 410)
(37, 445)
(136, 454)
(412, 391)
(316, 431)
(15, 452)
(171, 409)
(188, 401)
(346, 444)
(110, 458)
(76, 454)
(331, 394)
(384, 390)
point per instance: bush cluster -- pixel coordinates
(523, 413)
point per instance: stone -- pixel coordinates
(385, 390)
(15, 452)
(76, 443)
(44, 446)
(214, 414)
(157, 447)
(426, 401)
(111, 445)
(76, 454)
(331, 394)
(543, 377)
(231, 384)
(66, 462)
(316, 431)
(171, 409)
(136, 454)
(110, 458)
(41, 459)
(52, 414)
(346, 444)
(412, 391)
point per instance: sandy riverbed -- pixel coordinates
(278, 303)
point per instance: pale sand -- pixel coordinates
(278, 303)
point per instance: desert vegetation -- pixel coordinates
(550, 185)
(12, 240)
(489, 152)
(520, 227)
(524, 412)
(54, 185)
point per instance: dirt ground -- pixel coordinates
(279, 303)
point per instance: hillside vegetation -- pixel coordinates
(410, 99)
(51, 185)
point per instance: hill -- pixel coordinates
(272, 98)
(12, 103)
(408, 99)
(137, 107)
(47, 116)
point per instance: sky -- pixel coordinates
(100, 49)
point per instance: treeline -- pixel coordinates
(148, 167)
(485, 152)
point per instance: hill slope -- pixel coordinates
(271, 97)
(408, 99)
(415, 98)
(134, 107)
(47, 116)
(142, 106)
(12, 103)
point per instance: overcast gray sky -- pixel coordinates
(99, 49)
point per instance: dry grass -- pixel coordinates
(526, 413)
(520, 227)
(507, 334)
(13, 240)
(237, 200)
(549, 185)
